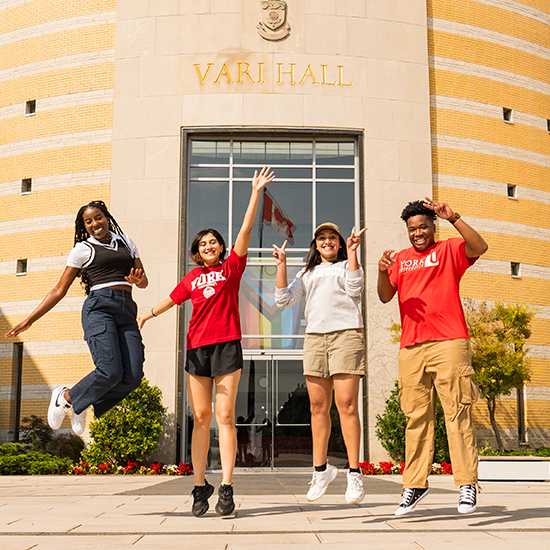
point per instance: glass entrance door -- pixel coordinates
(273, 416)
(272, 412)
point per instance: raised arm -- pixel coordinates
(280, 259)
(259, 181)
(475, 244)
(386, 289)
(352, 245)
(54, 296)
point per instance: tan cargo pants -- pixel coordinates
(444, 369)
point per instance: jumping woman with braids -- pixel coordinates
(108, 264)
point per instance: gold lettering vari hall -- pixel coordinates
(283, 73)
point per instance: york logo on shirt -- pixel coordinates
(207, 281)
(411, 265)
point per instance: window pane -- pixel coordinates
(270, 153)
(335, 153)
(335, 203)
(248, 173)
(294, 199)
(208, 207)
(209, 152)
(260, 314)
(335, 173)
(210, 173)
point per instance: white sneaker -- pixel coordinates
(78, 421)
(355, 492)
(58, 408)
(320, 482)
(467, 501)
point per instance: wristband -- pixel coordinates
(153, 313)
(455, 218)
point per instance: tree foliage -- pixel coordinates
(499, 356)
(129, 431)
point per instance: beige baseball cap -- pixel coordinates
(328, 225)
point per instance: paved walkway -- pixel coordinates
(117, 512)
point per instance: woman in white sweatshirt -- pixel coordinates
(334, 346)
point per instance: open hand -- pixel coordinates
(279, 253)
(354, 239)
(386, 261)
(441, 209)
(21, 327)
(136, 276)
(259, 181)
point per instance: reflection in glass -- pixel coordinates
(271, 152)
(286, 173)
(296, 201)
(213, 172)
(335, 173)
(208, 207)
(339, 153)
(210, 152)
(335, 203)
(261, 316)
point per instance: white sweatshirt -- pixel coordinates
(333, 297)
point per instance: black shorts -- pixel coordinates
(215, 359)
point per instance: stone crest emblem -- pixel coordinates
(273, 25)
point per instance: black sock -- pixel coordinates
(321, 468)
(354, 471)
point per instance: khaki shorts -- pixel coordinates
(339, 352)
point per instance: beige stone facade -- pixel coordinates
(118, 84)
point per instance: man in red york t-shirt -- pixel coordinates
(435, 356)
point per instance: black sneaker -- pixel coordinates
(225, 505)
(467, 501)
(201, 494)
(411, 497)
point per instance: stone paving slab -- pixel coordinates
(126, 512)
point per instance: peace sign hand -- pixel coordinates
(441, 209)
(354, 239)
(279, 253)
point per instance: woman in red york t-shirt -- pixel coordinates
(214, 353)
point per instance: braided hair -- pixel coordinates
(80, 234)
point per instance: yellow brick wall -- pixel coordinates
(68, 120)
(67, 160)
(476, 165)
(482, 166)
(504, 58)
(44, 11)
(73, 80)
(483, 90)
(490, 130)
(65, 43)
(491, 18)
(94, 45)
(52, 201)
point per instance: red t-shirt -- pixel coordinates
(428, 289)
(214, 293)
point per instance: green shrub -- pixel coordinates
(15, 461)
(67, 445)
(390, 430)
(539, 451)
(38, 436)
(128, 431)
(35, 433)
